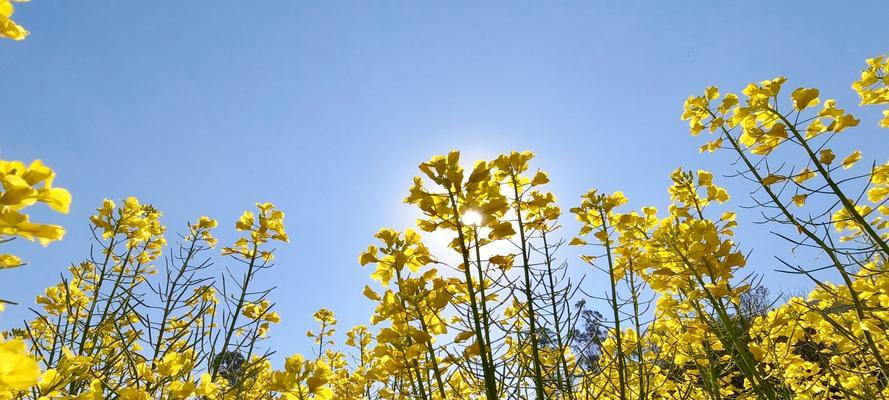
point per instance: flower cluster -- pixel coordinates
(137, 225)
(873, 87)
(266, 226)
(23, 186)
(8, 27)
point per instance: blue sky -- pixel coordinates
(326, 108)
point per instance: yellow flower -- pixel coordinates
(804, 175)
(95, 393)
(131, 393)
(803, 98)
(772, 179)
(872, 86)
(878, 194)
(175, 363)
(826, 156)
(8, 27)
(851, 159)
(23, 186)
(18, 370)
(136, 224)
(400, 250)
(266, 226)
(50, 380)
(181, 390)
(9, 261)
(206, 388)
(202, 230)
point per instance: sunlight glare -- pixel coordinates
(472, 218)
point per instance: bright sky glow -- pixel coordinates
(472, 218)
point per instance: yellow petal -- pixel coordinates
(826, 156)
(773, 179)
(851, 159)
(803, 98)
(57, 198)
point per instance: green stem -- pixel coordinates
(529, 298)
(488, 372)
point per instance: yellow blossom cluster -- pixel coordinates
(138, 225)
(873, 86)
(23, 186)
(267, 225)
(8, 27)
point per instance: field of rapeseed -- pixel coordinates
(147, 316)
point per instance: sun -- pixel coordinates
(472, 218)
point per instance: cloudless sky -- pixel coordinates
(326, 108)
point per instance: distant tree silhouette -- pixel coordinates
(588, 337)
